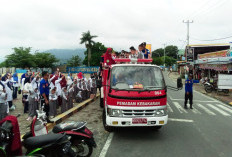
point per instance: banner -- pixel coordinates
(190, 54)
(89, 70)
(148, 46)
(214, 54)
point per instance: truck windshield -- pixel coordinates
(137, 78)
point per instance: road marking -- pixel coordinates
(169, 107)
(107, 145)
(225, 108)
(181, 109)
(206, 96)
(193, 100)
(219, 110)
(180, 120)
(206, 110)
(194, 110)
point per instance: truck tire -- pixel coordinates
(158, 127)
(106, 127)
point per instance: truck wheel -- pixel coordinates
(107, 128)
(158, 127)
(101, 101)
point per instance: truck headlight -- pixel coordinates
(161, 112)
(114, 112)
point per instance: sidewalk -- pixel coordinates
(200, 88)
(24, 124)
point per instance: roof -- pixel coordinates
(209, 45)
(119, 65)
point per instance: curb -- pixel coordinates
(61, 117)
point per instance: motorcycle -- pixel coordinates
(56, 145)
(209, 87)
(82, 141)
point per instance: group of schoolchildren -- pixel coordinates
(141, 53)
(63, 92)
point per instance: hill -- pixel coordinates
(65, 54)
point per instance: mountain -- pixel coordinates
(65, 54)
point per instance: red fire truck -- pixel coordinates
(133, 93)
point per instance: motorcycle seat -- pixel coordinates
(68, 126)
(39, 141)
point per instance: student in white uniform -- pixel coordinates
(3, 104)
(15, 80)
(8, 85)
(70, 96)
(64, 99)
(53, 103)
(33, 102)
(26, 89)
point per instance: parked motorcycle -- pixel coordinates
(209, 87)
(82, 141)
(55, 145)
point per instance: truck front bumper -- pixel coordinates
(126, 122)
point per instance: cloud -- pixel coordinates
(117, 23)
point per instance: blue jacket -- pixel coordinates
(189, 85)
(44, 87)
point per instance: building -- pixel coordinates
(209, 60)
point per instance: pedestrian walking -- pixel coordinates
(189, 91)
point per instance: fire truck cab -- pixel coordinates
(133, 93)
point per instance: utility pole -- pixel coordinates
(187, 22)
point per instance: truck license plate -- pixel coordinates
(139, 121)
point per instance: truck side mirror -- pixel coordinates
(179, 83)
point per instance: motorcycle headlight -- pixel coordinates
(114, 112)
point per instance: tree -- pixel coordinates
(87, 39)
(97, 50)
(158, 52)
(45, 60)
(74, 61)
(158, 61)
(171, 51)
(21, 58)
(169, 61)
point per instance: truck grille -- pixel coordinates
(136, 113)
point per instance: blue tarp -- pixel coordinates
(92, 69)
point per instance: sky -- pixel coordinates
(58, 24)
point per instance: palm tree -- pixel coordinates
(87, 38)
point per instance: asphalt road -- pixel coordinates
(205, 131)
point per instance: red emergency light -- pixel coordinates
(133, 60)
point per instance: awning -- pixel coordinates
(219, 60)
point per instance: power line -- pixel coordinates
(212, 39)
